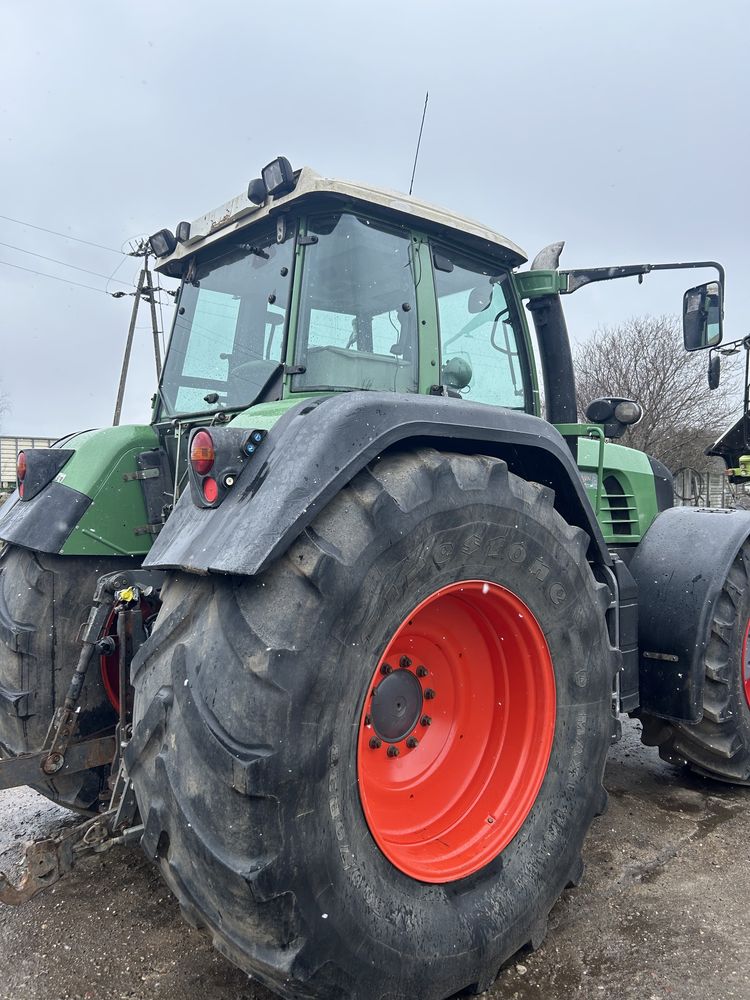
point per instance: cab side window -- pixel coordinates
(481, 344)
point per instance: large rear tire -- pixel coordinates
(44, 600)
(252, 707)
(719, 745)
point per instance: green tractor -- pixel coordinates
(359, 611)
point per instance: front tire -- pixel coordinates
(719, 745)
(251, 695)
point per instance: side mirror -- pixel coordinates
(714, 371)
(702, 316)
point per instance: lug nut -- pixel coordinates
(422, 671)
(393, 751)
(404, 662)
(375, 743)
(429, 694)
(412, 742)
(368, 720)
(426, 720)
(386, 669)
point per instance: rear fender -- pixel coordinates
(93, 505)
(318, 446)
(680, 567)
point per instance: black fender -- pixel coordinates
(318, 446)
(680, 568)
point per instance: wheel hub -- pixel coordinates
(396, 706)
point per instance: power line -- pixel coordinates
(114, 272)
(54, 260)
(54, 277)
(54, 232)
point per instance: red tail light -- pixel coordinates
(202, 453)
(210, 490)
(20, 471)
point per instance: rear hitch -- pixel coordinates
(46, 861)
(29, 768)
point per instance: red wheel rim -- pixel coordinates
(109, 663)
(451, 759)
(746, 664)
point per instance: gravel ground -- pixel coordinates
(662, 912)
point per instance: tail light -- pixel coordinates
(21, 472)
(210, 490)
(202, 453)
(37, 467)
(217, 459)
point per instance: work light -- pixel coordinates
(162, 243)
(256, 191)
(278, 176)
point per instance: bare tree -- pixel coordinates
(4, 404)
(644, 359)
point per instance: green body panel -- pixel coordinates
(624, 516)
(264, 415)
(101, 460)
(534, 284)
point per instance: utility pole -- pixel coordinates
(144, 290)
(154, 324)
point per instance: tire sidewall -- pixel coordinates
(738, 704)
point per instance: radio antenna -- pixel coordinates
(419, 140)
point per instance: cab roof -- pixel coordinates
(312, 188)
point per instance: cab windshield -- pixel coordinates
(228, 335)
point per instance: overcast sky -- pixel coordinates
(619, 127)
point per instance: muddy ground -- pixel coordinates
(663, 911)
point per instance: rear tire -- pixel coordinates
(719, 745)
(44, 599)
(249, 697)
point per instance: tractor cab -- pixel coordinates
(332, 287)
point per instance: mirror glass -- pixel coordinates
(701, 316)
(714, 371)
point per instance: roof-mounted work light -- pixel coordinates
(256, 191)
(162, 243)
(278, 176)
(182, 232)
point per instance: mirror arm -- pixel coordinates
(584, 276)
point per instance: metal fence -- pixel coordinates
(709, 489)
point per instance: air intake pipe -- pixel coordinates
(554, 345)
